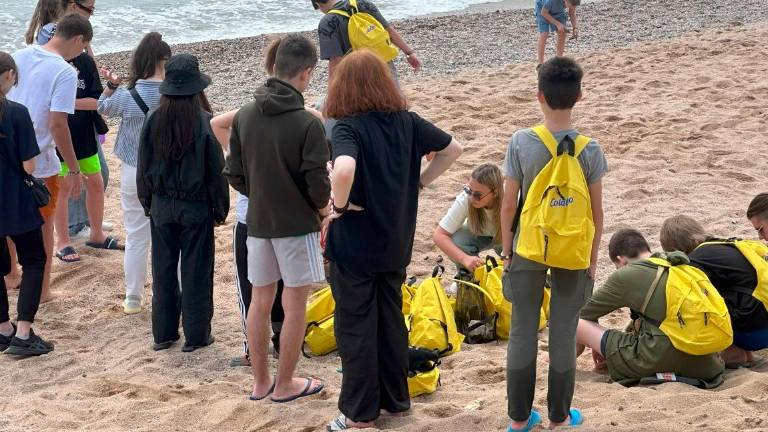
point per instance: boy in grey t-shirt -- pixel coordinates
(559, 90)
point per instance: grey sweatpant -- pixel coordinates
(524, 287)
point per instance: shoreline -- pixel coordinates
(485, 39)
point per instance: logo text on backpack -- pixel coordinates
(563, 202)
(370, 28)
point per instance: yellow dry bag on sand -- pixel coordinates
(757, 254)
(697, 320)
(490, 277)
(423, 382)
(423, 374)
(432, 323)
(556, 225)
(409, 291)
(366, 32)
(320, 337)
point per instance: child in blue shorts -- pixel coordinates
(551, 17)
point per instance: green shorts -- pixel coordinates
(88, 166)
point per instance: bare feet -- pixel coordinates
(385, 413)
(13, 280)
(49, 296)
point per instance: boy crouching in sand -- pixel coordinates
(551, 17)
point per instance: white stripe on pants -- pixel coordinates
(138, 235)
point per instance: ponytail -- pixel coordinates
(46, 12)
(270, 57)
(151, 51)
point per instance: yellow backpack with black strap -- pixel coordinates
(320, 337)
(365, 31)
(757, 254)
(556, 225)
(697, 321)
(431, 322)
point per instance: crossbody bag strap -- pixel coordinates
(652, 289)
(139, 101)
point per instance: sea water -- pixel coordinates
(120, 24)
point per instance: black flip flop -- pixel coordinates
(306, 392)
(269, 392)
(67, 251)
(110, 243)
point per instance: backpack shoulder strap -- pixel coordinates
(580, 144)
(139, 101)
(546, 138)
(652, 289)
(353, 6)
(340, 12)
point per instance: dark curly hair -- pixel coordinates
(560, 81)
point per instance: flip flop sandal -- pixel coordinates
(577, 419)
(269, 392)
(338, 424)
(109, 244)
(533, 421)
(308, 391)
(68, 251)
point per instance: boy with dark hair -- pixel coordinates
(735, 278)
(529, 154)
(551, 17)
(643, 351)
(757, 213)
(48, 88)
(278, 156)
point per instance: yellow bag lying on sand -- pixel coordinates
(423, 382)
(320, 306)
(409, 291)
(490, 277)
(432, 323)
(319, 336)
(423, 375)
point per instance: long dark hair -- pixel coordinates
(46, 12)
(176, 119)
(152, 50)
(6, 64)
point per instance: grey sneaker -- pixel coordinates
(132, 305)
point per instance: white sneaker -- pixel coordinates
(83, 234)
(132, 305)
(107, 226)
(452, 290)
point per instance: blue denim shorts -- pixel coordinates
(544, 26)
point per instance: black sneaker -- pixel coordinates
(159, 346)
(189, 348)
(33, 346)
(5, 341)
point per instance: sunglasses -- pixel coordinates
(476, 195)
(760, 230)
(89, 10)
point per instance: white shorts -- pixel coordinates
(298, 261)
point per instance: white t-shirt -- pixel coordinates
(457, 217)
(47, 83)
(241, 208)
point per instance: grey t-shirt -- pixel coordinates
(332, 30)
(527, 156)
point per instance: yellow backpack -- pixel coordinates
(423, 374)
(697, 320)
(490, 277)
(757, 254)
(423, 382)
(556, 226)
(409, 291)
(320, 337)
(431, 322)
(367, 32)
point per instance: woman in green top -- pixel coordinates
(643, 351)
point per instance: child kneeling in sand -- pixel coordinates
(734, 277)
(551, 17)
(644, 351)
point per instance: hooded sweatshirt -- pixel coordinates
(278, 156)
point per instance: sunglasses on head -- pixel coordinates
(477, 195)
(90, 10)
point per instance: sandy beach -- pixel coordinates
(680, 113)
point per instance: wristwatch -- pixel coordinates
(112, 86)
(73, 173)
(340, 210)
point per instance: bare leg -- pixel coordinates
(94, 203)
(61, 216)
(291, 339)
(257, 332)
(542, 46)
(47, 295)
(560, 50)
(13, 278)
(590, 333)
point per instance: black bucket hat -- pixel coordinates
(183, 76)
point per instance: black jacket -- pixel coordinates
(195, 177)
(278, 156)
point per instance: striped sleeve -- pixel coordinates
(115, 105)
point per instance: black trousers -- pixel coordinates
(372, 340)
(244, 287)
(182, 230)
(31, 255)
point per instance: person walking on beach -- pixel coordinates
(181, 188)
(378, 147)
(48, 88)
(132, 105)
(551, 17)
(534, 159)
(20, 220)
(734, 277)
(643, 351)
(278, 157)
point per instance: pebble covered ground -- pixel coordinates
(453, 43)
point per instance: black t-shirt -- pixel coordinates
(735, 279)
(388, 149)
(81, 123)
(18, 210)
